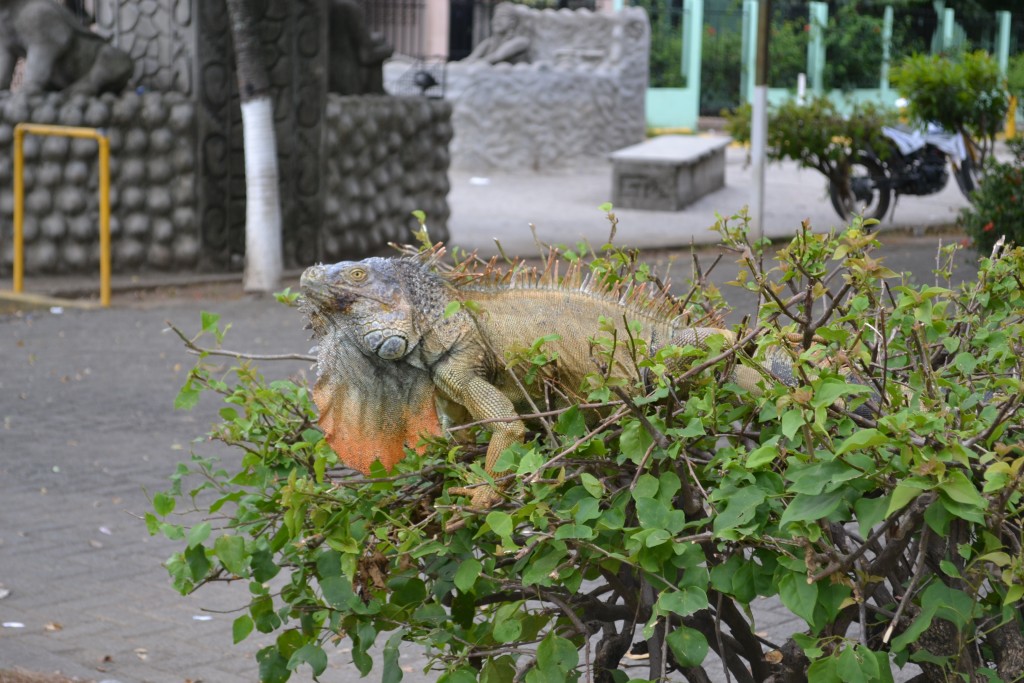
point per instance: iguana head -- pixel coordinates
(373, 402)
(367, 298)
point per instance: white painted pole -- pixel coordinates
(758, 158)
(759, 124)
(801, 88)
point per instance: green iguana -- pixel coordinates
(387, 349)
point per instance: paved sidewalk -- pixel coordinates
(87, 434)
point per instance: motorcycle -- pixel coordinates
(915, 163)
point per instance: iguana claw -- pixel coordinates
(481, 497)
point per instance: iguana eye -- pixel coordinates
(357, 274)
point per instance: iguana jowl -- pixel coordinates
(386, 348)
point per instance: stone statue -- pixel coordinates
(507, 42)
(60, 53)
(356, 56)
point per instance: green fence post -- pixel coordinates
(680, 107)
(818, 17)
(1003, 40)
(948, 27)
(748, 50)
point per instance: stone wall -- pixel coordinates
(152, 166)
(386, 157)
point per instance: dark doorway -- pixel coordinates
(460, 29)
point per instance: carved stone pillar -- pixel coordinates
(185, 46)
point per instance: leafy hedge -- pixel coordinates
(997, 206)
(966, 93)
(879, 500)
(816, 134)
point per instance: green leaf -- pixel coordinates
(500, 523)
(965, 362)
(557, 653)
(861, 439)
(337, 591)
(792, 421)
(902, 496)
(230, 550)
(241, 628)
(580, 531)
(468, 675)
(798, 595)
(959, 488)
(452, 308)
(653, 514)
(741, 506)
(635, 441)
(688, 645)
(765, 454)
(311, 654)
(163, 504)
(197, 534)
(467, 573)
(870, 511)
(198, 562)
(832, 389)
(273, 667)
(806, 507)
(188, 397)
(572, 423)
(392, 672)
(542, 563)
(683, 602)
(209, 321)
(592, 484)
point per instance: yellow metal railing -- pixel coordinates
(1011, 119)
(20, 131)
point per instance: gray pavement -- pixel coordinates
(87, 430)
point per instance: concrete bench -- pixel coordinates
(667, 172)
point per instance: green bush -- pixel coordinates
(997, 206)
(666, 513)
(965, 94)
(816, 134)
(853, 49)
(1015, 77)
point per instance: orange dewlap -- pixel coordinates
(360, 433)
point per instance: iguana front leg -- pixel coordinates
(484, 401)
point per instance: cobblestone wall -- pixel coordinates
(153, 217)
(385, 157)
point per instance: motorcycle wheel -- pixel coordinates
(868, 192)
(967, 176)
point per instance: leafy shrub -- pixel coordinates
(883, 512)
(1015, 77)
(997, 206)
(853, 49)
(965, 94)
(816, 134)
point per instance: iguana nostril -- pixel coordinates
(392, 348)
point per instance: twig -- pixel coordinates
(908, 594)
(199, 350)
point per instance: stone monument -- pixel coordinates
(60, 53)
(553, 88)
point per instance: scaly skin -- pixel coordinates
(387, 350)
